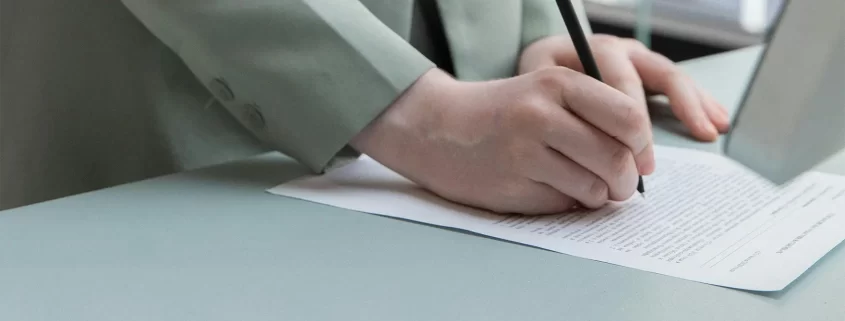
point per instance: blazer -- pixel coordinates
(97, 93)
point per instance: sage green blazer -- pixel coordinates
(97, 93)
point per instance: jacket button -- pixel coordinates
(220, 89)
(253, 117)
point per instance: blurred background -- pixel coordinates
(685, 29)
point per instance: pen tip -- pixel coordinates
(641, 186)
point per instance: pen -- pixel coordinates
(584, 53)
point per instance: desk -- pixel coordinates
(212, 245)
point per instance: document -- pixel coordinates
(705, 218)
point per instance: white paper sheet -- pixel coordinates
(705, 218)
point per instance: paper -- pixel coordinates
(705, 218)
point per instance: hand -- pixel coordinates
(532, 144)
(627, 65)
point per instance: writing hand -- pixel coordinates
(532, 144)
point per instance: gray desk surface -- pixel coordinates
(212, 245)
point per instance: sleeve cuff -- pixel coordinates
(303, 76)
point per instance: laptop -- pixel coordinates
(792, 116)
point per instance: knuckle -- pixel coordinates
(670, 75)
(613, 78)
(621, 161)
(636, 119)
(639, 118)
(551, 78)
(532, 115)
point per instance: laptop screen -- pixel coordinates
(792, 116)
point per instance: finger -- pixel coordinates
(647, 169)
(546, 200)
(614, 65)
(715, 111)
(525, 197)
(618, 72)
(610, 111)
(592, 149)
(569, 178)
(661, 75)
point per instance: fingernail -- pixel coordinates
(645, 165)
(712, 129)
(708, 127)
(645, 169)
(724, 124)
(721, 123)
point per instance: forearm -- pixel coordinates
(318, 71)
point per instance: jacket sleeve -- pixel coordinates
(541, 18)
(304, 76)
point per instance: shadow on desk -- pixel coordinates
(264, 171)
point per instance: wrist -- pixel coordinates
(406, 119)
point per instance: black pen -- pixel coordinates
(570, 18)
